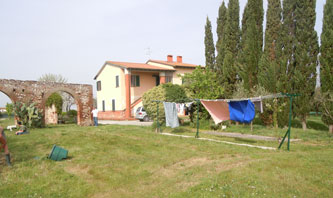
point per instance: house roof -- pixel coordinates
(133, 66)
(173, 63)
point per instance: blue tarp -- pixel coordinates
(241, 111)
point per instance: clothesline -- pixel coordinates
(278, 95)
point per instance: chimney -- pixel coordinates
(169, 58)
(179, 59)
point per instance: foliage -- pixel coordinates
(209, 46)
(232, 39)
(9, 109)
(56, 100)
(306, 52)
(327, 108)
(326, 49)
(220, 46)
(28, 114)
(58, 78)
(203, 84)
(165, 92)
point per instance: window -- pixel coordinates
(117, 81)
(103, 105)
(99, 86)
(168, 79)
(135, 81)
(113, 104)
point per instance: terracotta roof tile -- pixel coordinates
(173, 63)
(138, 66)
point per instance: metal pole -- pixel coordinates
(289, 127)
(198, 106)
(158, 124)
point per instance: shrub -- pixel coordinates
(55, 99)
(164, 92)
(28, 114)
(9, 109)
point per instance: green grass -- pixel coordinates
(132, 161)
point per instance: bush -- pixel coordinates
(55, 99)
(9, 109)
(28, 114)
(164, 92)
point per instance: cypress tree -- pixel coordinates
(326, 49)
(220, 45)
(271, 71)
(306, 51)
(253, 9)
(209, 45)
(231, 40)
(288, 42)
(326, 60)
(250, 55)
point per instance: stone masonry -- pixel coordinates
(38, 92)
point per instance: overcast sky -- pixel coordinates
(75, 37)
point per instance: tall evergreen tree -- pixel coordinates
(253, 9)
(209, 45)
(220, 45)
(306, 52)
(326, 49)
(251, 45)
(272, 73)
(326, 61)
(288, 42)
(231, 40)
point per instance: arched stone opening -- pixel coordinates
(68, 91)
(5, 99)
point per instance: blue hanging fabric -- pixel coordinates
(241, 111)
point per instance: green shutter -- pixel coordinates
(138, 81)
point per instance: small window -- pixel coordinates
(117, 81)
(103, 105)
(168, 79)
(99, 86)
(113, 104)
(135, 81)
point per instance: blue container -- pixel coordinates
(58, 153)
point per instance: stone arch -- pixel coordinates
(38, 92)
(70, 92)
(7, 93)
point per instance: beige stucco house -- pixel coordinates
(120, 85)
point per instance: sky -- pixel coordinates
(74, 38)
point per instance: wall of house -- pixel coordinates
(178, 80)
(109, 91)
(147, 81)
(175, 78)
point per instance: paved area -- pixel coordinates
(248, 136)
(129, 122)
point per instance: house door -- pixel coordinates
(157, 78)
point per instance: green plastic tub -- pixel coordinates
(58, 153)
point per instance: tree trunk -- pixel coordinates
(251, 126)
(304, 125)
(331, 128)
(275, 113)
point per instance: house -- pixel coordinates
(120, 85)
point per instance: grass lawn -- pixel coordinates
(133, 161)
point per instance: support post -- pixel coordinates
(158, 123)
(290, 116)
(198, 106)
